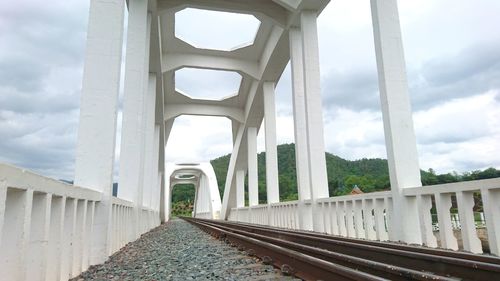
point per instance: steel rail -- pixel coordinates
(395, 263)
(289, 261)
(393, 245)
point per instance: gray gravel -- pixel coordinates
(180, 251)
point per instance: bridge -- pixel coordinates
(50, 230)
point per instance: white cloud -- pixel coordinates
(199, 139)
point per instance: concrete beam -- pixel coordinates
(174, 110)
(175, 61)
(270, 10)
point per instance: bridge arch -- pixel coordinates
(207, 200)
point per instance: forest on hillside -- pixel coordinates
(368, 174)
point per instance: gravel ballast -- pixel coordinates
(178, 250)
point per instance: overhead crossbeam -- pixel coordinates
(174, 110)
(175, 61)
(258, 8)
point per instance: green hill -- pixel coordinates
(368, 174)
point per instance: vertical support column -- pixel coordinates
(299, 119)
(272, 185)
(149, 142)
(253, 183)
(314, 112)
(98, 110)
(240, 188)
(155, 173)
(135, 92)
(299, 114)
(400, 140)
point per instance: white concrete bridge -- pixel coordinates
(53, 231)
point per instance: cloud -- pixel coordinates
(199, 139)
(41, 55)
(353, 89)
(461, 134)
(472, 71)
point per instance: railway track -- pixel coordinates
(314, 256)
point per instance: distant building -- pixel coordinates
(356, 190)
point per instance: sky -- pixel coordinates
(452, 51)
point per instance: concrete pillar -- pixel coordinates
(300, 128)
(299, 114)
(253, 183)
(154, 172)
(314, 111)
(400, 140)
(149, 140)
(134, 101)
(272, 185)
(235, 126)
(240, 188)
(99, 99)
(95, 150)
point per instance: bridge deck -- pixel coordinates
(180, 251)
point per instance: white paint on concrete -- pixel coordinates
(402, 155)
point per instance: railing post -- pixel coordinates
(400, 140)
(368, 222)
(3, 201)
(68, 239)
(15, 233)
(349, 217)
(424, 204)
(333, 218)
(491, 197)
(37, 254)
(358, 218)
(54, 258)
(380, 231)
(443, 205)
(341, 217)
(465, 202)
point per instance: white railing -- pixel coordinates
(283, 214)
(365, 216)
(47, 227)
(489, 192)
(203, 215)
(122, 230)
(240, 214)
(368, 216)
